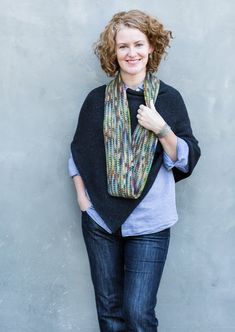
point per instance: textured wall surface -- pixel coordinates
(46, 69)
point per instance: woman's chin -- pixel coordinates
(133, 70)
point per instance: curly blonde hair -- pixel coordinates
(158, 37)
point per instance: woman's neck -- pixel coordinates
(133, 81)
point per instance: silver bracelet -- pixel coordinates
(164, 131)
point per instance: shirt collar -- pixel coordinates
(140, 87)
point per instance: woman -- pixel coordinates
(132, 143)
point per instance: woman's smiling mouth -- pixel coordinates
(133, 61)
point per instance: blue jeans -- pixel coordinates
(126, 273)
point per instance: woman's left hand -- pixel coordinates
(150, 119)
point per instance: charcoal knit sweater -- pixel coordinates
(88, 149)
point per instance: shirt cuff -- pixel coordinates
(72, 167)
(182, 157)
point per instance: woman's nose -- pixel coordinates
(131, 52)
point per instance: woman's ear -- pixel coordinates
(151, 49)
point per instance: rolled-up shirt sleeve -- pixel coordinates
(72, 167)
(182, 157)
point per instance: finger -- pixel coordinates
(140, 118)
(152, 104)
(143, 107)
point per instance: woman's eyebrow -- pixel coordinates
(136, 42)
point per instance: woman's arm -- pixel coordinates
(82, 198)
(169, 144)
(152, 120)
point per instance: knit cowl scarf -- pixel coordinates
(128, 156)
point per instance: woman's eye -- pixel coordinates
(123, 46)
(139, 45)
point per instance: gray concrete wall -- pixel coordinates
(46, 69)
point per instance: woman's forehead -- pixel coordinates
(126, 34)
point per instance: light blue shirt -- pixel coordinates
(157, 210)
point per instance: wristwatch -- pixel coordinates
(164, 131)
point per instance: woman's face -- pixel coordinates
(132, 50)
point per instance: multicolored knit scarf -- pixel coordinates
(128, 157)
